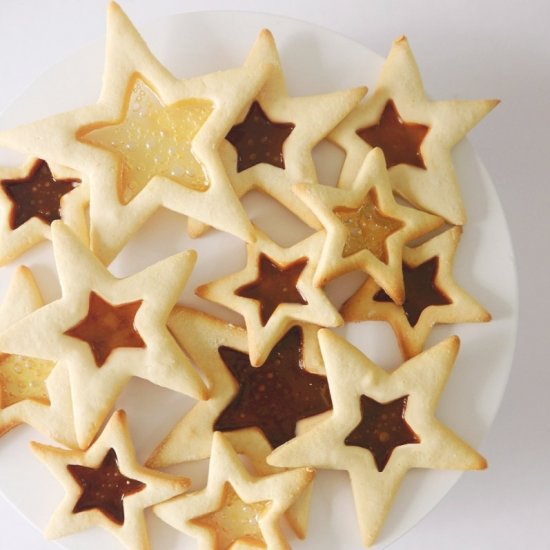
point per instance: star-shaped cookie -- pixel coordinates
(235, 509)
(150, 141)
(91, 298)
(105, 486)
(204, 338)
(431, 295)
(365, 227)
(416, 134)
(269, 147)
(32, 391)
(274, 292)
(383, 425)
(31, 197)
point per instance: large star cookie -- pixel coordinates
(31, 198)
(365, 227)
(32, 391)
(106, 330)
(269, 147)
(105, 486)
(274, 292)
(235, 509)
(151, 140)
(415, 133)
(382, 426)
(273, 398)
(431, 295)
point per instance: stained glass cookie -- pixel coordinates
(32, 196)
(32, 391)
(269, 146)
(415, 133)
(256, 408)
(366, 228)
(274, 292)
(432, 295)
(107, 330)
(235, 509)
(383, 424)
(151, 140)
(105, 486)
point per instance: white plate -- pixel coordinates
(315, 61)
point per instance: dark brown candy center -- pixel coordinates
(275, 285)
(276, 395)
(420, 290)
(382, 428)
(104, 488)
(259, 140)
(399, 140)
(107, 327)
(36, 195)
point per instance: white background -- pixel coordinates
(486, 48)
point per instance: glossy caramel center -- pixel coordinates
(421, 290)
(276, 395)
(107, 327)
(152, 139)
(36, 195)
(399, 140)
(104, 488)
(382, 428)
(275, 285)
(258, 139)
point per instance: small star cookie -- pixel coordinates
(215, 347)
(274, 292)
(269, 148)
(31, 198)
(415, 133)
(431, 295)
(107, 330)
(365, 227)
(32, 391)
(382, 426)
(106, 487)
(235, 509)
(150, 141)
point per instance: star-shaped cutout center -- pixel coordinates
(259, 140)
(276, 395)
(104, 488)
(421, 290)
(367, 228)
(23, 378)
(153, 139)
(399, 140)
(234, 520)
(382, 428)
(107, 327)
(37, 195)
(275, 285)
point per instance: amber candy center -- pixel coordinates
(367, 228)
(107, 327)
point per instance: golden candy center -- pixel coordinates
(23, 378)
(153, 139)
(367, 228)
(235, 520)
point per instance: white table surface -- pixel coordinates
(488, 48)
